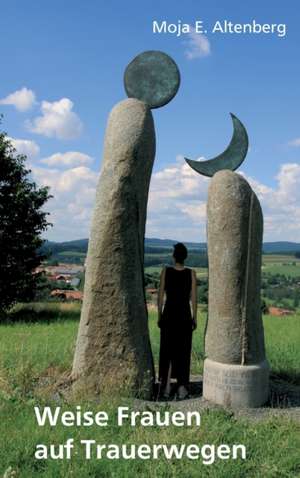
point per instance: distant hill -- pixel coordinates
(81, 245)
(167, 243)
(157, 251)
(281, 247)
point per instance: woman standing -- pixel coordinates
(177, 322)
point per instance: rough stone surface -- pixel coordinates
(234, 332)
(113, 347)
(236, 373)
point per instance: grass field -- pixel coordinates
(286, 265)
(72, 254)
(289, 270)
(200, 271)
(279, 258)
(31, 352)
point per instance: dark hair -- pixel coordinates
(180, 252)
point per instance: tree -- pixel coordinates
(264, 307)
(296, 299)
(22, 220)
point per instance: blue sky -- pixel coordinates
(64, 64)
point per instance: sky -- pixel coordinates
(62, 72)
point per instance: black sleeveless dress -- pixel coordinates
(176, 327)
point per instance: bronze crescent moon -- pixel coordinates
(231, 158)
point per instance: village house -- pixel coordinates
(73, 295)
(279, 312)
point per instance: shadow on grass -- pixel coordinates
(45, 313)
(290, 376)
(195, 391)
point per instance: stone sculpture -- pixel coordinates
(235, 369)
(236, 372)
(113, 348)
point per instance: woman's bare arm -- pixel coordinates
(161, 293)
(194, 297)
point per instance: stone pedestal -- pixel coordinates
(236, 386)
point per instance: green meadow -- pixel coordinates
(200, 271)
(285, 264)
(34, 356)
(286, 269)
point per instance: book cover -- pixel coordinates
(149, 239)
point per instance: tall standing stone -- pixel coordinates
(113, 348)
(235, 369)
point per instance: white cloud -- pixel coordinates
(294, 142)
(73, 193)
(198, 45)
(281, 204)
(64, 181)
(178, 196)
(69, 159)
(177, 202)
(25, 146)
(22, 99)
(57, 120)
